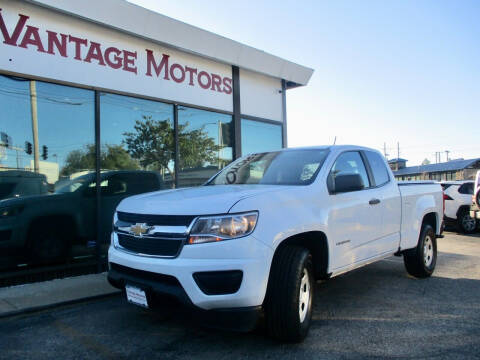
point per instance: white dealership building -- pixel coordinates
(126, 100)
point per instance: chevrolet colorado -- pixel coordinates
(257, 235)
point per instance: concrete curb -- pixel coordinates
(32, 297)
(35, 309)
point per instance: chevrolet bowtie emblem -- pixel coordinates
(139, 229)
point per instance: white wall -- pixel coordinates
(150, 25)
(260, 95)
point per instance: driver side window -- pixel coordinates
(349, 163)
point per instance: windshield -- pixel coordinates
(292, 167)
(70, 185)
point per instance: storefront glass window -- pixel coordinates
(137, 150)
(47, 214)
(260, 137)
(205, 143)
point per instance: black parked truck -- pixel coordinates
(45, 227)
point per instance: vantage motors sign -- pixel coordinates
(37, 42)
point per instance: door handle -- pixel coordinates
(374, 201)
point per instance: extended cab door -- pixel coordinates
(390, 203)
(354, 220)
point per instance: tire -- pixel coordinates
(420, 261)
(47, 244)
(465, 223)
(289, 298)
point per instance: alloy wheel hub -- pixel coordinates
(304, 296)
(428, 251)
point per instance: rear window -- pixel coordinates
(466, 189)
(377, 164)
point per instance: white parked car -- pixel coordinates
(259, 234)
(458, 199)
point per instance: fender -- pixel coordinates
(413, 215)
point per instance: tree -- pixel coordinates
(426, 162)
(112, 157)
(115, 157)
(152, 143)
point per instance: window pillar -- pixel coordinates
(237, 122)
(284, 113)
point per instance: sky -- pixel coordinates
(386, 72)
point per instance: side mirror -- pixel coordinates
(347, 183)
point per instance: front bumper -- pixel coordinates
(175, 277)
(162, 288)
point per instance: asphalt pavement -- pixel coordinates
(374, 312)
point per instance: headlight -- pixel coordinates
(115, 220)
(224, 227)
(10, 211)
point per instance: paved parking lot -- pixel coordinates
(374, 312)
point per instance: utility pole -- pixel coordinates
(439, 156)
(398, 150)
(447, 152)
(385, 150)
(33, 105)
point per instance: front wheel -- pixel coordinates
(288, 303)
(420, 261)
(47, 245)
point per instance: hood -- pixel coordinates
(30, 199)
(202, 200)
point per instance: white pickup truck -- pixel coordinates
(260, 232)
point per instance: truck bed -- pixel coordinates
(418, 199)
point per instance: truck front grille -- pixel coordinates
(163, 245)
(170, 220)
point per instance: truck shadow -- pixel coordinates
(375, 311)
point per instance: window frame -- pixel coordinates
(263, 121)
(177, 121)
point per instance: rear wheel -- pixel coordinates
(288, 303)
(420, 261)
(465, 222)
